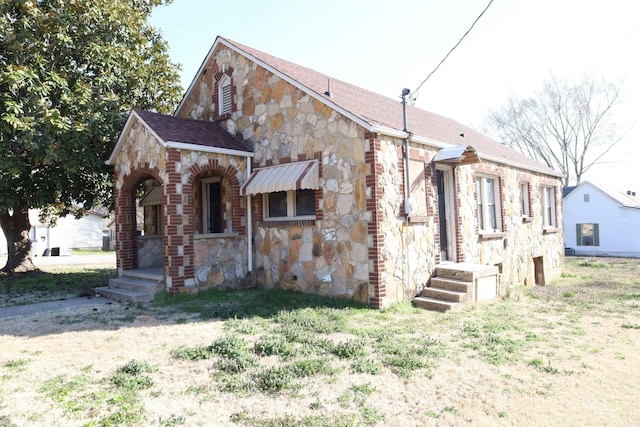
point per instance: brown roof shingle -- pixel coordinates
(189, 131)
(378, 110)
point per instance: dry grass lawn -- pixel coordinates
(563, 355)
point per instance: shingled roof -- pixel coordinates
(379, 112)
(189, 131)
(184, 133)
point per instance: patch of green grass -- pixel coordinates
(357, 395)
(432, 414)
(272, 345)
(452, 410)
(241, 326)
(631, 326)
(350, 349)
(172, 421)
(59, 283)
(226, 304)
(66, 392)
(246, 419)
(366, 366)
(311, 367)
(274, 380)
(193, 353)
(592, 264)
(131, 376)
(16, 364)
(235, 354)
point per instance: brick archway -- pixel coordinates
(125, 209)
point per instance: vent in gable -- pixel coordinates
(225, 97)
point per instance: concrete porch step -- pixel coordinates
(124, 295)
(451, 284)
(134, 286)
(444, 294)
(434, 304)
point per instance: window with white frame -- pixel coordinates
(225, 97)
(293, 204)
(524, 200)
(212, 206)
(549, 207)
(488, 196)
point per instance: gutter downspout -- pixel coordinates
(408, 205)
(249, 224)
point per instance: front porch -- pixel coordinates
(137, 285)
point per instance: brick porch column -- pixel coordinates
(178, 230)
(126, 242)
(373, 228)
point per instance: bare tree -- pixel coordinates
(568, 126)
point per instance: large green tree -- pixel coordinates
(70, 71)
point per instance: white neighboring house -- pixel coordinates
(601, 222)
(68, 233)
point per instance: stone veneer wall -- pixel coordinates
(522, 239)
(330, 255)
(149, 251)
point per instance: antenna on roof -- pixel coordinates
(328, 92)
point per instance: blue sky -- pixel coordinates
(385, 46)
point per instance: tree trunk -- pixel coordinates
(16, 228)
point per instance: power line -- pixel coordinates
(452, 49)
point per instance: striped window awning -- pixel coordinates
(285, 177)
(152, 197)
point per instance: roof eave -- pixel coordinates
(206, 149)
(483, 156)
(126, 129)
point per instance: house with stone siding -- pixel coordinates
(273, 174)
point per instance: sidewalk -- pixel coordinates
(102, 260)
(25, 310)
(108, 258)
